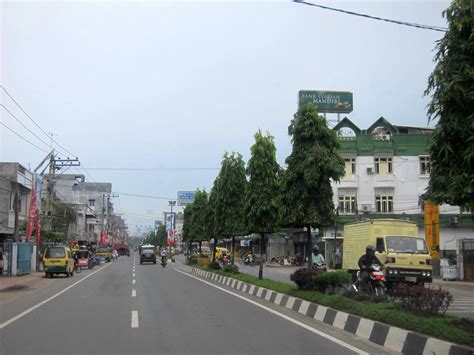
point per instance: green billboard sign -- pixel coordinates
(327, 101)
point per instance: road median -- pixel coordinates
(380, 323)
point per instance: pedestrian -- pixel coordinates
(337, 259)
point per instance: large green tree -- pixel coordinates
(261, 205)
(187, 225)
(452, 87)
(200, 230)
(313, 162)
(230, 197)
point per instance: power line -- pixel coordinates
(410, 24)
(29, 130)
(32, 120)
(145, 196)
(152, 169)
(26, 140)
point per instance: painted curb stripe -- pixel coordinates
(394, 338)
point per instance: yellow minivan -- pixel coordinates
(58, 260)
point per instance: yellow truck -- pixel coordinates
(399, 248)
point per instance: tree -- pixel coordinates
(213, 227)
(261, 205)
(313, 162)
(230, 197)
(199, 229)
(452, 87)
(187, 225)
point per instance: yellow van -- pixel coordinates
(58, 260)
(105, 252)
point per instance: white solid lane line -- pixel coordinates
(134, 319)
(29, 310)
(134, 293)
(133, 275)
(134, 282)
(294, 321)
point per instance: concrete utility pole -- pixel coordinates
(17, 205)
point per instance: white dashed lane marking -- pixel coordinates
(134, 293)
(134, 319)
(134, 282)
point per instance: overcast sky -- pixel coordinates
(173, 85)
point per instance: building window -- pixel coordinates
(91, 203)
(383, 203)
(350, 166)
(383, 166)
(347, 204)
(425, 166)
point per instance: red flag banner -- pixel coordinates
(33, 217)
(170, 240)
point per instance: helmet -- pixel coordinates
(370, 249)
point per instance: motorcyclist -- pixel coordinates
(318, 259)
(163, 255)
(365, 261)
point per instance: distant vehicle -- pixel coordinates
(147, 254)
(104, 252)
(58, 260)
(122, 249)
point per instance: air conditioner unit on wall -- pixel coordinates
(370, 171)
(366, 207)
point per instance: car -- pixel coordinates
(58, 260)
(147, 254)
(104, 252)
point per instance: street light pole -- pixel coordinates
(171, 204)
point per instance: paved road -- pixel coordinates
(162, 312)
(463, 295)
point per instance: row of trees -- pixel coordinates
(261, 197)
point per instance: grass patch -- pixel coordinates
(446, 327)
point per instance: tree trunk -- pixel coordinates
(200, 244)
(260, 269)
(233, 251)
(309, 247)
(214, 251)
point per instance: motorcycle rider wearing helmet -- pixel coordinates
(364, 263)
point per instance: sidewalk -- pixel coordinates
(19, 282)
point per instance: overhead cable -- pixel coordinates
(404, 23)
(26, 140)
(145, 196)
(32, 120)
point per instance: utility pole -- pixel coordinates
(17, 203)
(171, 204)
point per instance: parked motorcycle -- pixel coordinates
(91, 262)
(375, 282)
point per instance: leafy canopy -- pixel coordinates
(262, 169)
(230, 195)
(313, 162)
(452, 87)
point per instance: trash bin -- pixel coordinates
(450, 273)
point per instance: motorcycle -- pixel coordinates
(91, 262)
(163, 261)
(375, 281)
(320, 267)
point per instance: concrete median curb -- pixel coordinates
(393, 338)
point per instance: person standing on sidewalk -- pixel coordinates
(1, 262)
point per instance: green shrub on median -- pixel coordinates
(329, 281)
(233, 269)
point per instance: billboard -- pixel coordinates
(327, 101)
(185, 197)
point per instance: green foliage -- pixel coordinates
(199, 225)
(214, 265)
(57, 237)
(188, 223)
(261, 205)
(63, 215)
(329, 281)
(313, 162)
(158, 238)
(303, 278)
(233, 269)
(193, 260)
(230, 195)
(452, 89)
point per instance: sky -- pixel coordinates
(150, 95)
